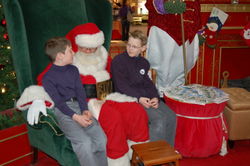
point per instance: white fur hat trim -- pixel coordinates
(90, 40)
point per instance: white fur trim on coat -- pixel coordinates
(98, 69)
(118, 97)
(122, 161)
(32, 93)
(90, 40)
(95, 106)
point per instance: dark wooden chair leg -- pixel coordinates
(231, 144)
(140, 164)
(35, 155)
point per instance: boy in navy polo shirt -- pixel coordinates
(62, 83)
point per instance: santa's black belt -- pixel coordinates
(90, 90)
(99, 90)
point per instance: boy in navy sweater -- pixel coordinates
(130, 76)
(62, 83)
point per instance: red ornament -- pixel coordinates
(245, 33)
(6, 36)
(2, 66)
(3, 22)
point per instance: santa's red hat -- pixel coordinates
(85, 35)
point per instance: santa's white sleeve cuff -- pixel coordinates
(31, 93)
(118, 97)
(95, 105)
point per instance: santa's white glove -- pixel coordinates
(35, 108)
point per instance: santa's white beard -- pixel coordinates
(93, 64)
(90, 58)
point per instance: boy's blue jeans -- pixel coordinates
(89, 143)
(162, 123)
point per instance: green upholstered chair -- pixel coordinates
(30, 23)
(47, 136)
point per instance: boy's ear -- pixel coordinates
(144, 48)
(59, 56)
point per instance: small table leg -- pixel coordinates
(231, 144)
(133, 161)
(177, 163)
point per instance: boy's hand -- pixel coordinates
(83, 120)
(145, 102)
(154, 102)
(87, 113)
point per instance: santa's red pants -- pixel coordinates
(121, 122)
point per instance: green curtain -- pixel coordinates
(31, 22)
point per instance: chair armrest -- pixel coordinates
(49, 120)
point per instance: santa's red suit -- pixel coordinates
(120, 116)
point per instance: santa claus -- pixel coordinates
(91, 57)
(120, 116)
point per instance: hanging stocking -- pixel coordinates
(209, 32)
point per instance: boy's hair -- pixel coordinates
(124, 2)
(56, 45)
(138, 34)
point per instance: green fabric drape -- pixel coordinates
(31, 22)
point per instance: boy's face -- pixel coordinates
(134, 47)
(68, 56)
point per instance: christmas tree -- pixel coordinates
(8, 83)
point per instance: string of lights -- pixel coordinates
(8, 82)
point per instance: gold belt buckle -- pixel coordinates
(103, 89)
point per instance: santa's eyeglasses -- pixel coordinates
(87, 49)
